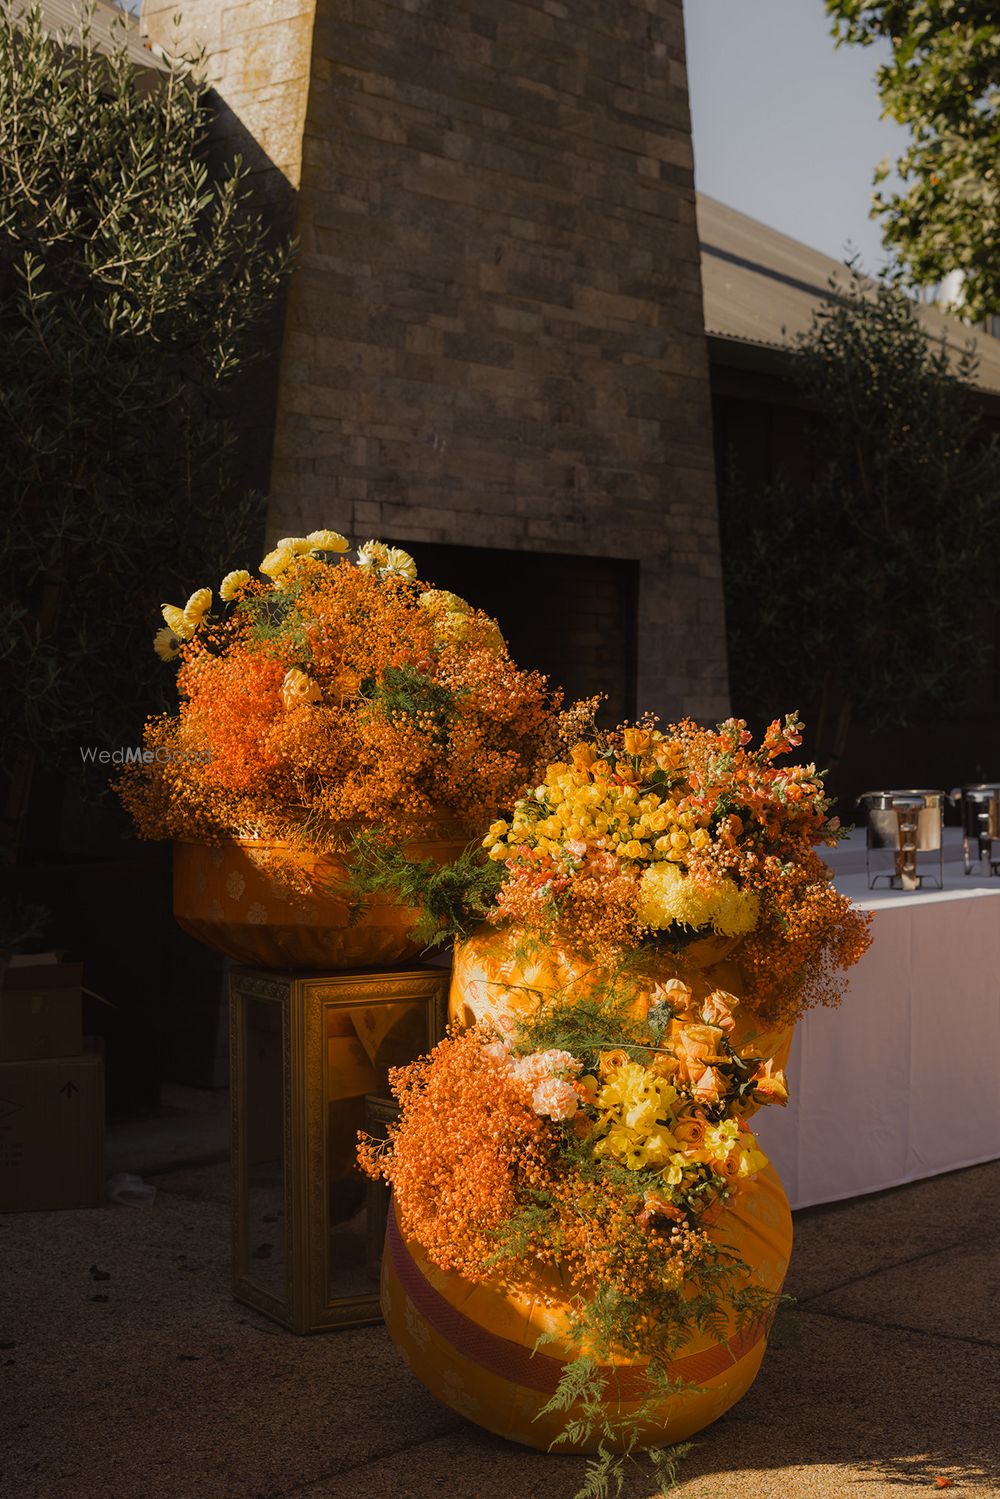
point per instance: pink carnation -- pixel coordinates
(539, 1065)
(556, 1098)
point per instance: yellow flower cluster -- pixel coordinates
(635, 1105)
(667, 896)
(374, 557)
(454, 622)
(278, 561)
(386, 562)
(592, 803)
(638, 1114)
(181, 624)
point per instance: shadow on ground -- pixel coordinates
(130, 1373)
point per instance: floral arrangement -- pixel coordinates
(647, 838)
(330, 695)
(602, 1139)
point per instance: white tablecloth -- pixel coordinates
(903, 1081)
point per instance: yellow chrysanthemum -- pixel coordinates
(233, 584)
(297, 545)
(666, 896)
(277, 562)
(440, 601)
(327, 541)
(197, 607)
(175, 621)
(736, 911)
(166, 644)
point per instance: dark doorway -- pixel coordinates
(573, 618)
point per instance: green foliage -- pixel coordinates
(405, 692)
(131, 285)
(453, 898)
(852, 593)
(942, 80)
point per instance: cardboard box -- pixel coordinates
(52, 1133)
(41, 1008)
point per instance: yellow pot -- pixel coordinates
(498, 974)
(231, 898)
(473, 1345)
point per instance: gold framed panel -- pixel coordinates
(338, 1037)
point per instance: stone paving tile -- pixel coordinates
(155, 1384)
(835, 1245)
(167, 1389)
(954, 1295)
(840, 1411)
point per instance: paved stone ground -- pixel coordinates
(154, 1384)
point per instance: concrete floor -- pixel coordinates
(130, 1373)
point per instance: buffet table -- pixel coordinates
(903, 1081)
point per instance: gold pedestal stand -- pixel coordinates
(310, 1055)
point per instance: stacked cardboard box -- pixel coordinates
(51, 1089)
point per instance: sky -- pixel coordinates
(787, 126)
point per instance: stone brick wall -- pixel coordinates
(259, 60)
(495, 337)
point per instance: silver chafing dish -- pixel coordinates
(980, 808)
(905, 823)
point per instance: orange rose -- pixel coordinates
(610, 1060)
(297, 689)
(637, 741)
(729, 1168)
(583, 756)
(689, 1132)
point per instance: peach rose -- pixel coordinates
(770, 1086)
(717, 1009)
(674, 993)
(695, 1043)
(709, 1086)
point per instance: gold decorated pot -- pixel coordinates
(237, 898)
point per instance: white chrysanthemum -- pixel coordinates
(399, 564)
(373, 556)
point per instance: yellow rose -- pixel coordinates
(297, 689)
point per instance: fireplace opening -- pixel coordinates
(572, 617)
